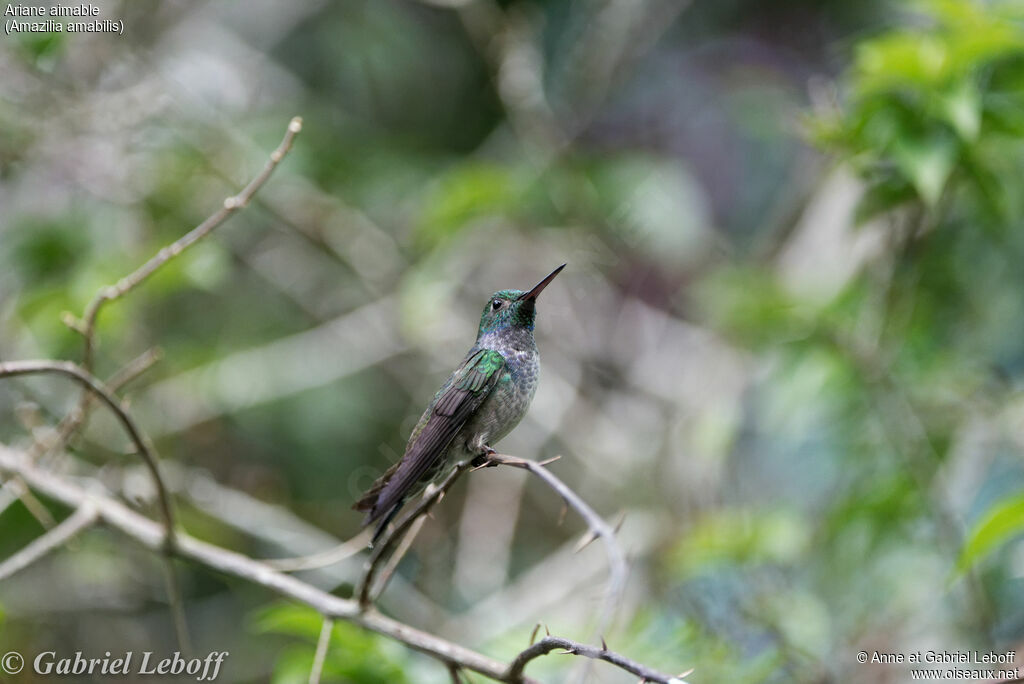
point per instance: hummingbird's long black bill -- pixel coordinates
(539, 287)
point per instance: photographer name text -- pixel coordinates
(962, 657)
(203, 669)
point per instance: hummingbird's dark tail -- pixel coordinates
(382, 525)
(368, 501)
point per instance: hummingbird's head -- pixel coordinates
(513, 308)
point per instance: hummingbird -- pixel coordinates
(479, 404)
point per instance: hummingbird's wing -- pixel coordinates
(460, 397)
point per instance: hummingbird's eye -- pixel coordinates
(496, 304)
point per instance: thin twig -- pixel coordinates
(91, 385)
(87, 325)
(322, 645)
(176, 601)
(617, 568)
(315, 561)
(596, 525)
(550, 643)
(85, 516)
(398, 555)
(134, 368)
(139, 275)
(70, 422)
(15, 489)
(401, 527)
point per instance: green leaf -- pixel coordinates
(285, 618)
(880, 198)
(1003, 521)
(962, 107)
(927, 165)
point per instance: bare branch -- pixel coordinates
(550, 643)
(139, 275)
(596, 525)
(322, 646)
(86, 327)
(82, 518)
(92, 384)
(70, 422)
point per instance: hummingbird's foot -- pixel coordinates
(484, 460)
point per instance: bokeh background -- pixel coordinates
(787, 352)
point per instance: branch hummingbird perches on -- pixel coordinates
(150, 534)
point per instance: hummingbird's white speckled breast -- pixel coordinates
(511, 397)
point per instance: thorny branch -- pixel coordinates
(550, 643)
(150, 534)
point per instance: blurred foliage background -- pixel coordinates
(788, 347)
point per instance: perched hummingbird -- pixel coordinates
(479, 404)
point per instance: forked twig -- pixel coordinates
(401, 527)
(596, 526)
(399, 554)
(86, 326)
